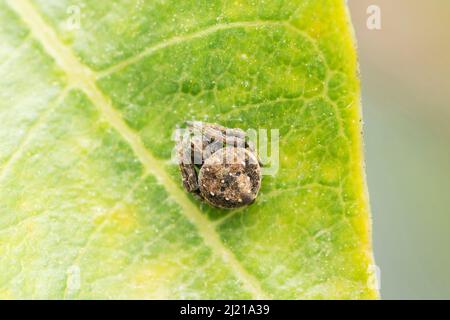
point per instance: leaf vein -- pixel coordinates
(81, 76)
(183, 38)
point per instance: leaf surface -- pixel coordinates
(90, 205)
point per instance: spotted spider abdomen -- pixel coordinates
(230, 178)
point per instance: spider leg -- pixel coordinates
(207, 139)
(213, 133)
(235, 132)
(214, 137)
(187, 166)
(212, 148)
(189, 175)
(196, 149)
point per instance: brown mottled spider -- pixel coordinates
(219, 165)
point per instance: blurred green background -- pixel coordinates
(405, 69)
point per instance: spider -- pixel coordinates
(219, 165)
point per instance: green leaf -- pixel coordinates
(90, 205)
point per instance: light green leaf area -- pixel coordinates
(90, 204)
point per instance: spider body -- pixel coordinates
(219, 165)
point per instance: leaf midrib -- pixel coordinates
(82, 77)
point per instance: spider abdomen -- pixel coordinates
(230, 178)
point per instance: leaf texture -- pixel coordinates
(90, 205)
